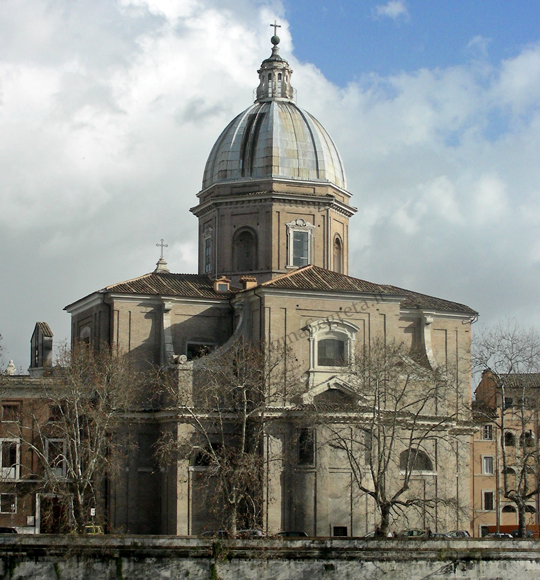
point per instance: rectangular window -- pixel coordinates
(487, 432)
(340, 531)
(306, 447)
(489, 501)
(508, 402)
(8, 503)
(11, 412)
(300, 248)
(9, 458)
(56, 456)
(207, 254)
(487, 467)
(331, 353)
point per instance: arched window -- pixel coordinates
(331, 344)
(415, 460)
(509, 439)
(85, 335)
(509, 509)
(270, 85)
(527, 439)
(530, 509)
(245, 251)
(338, 255)
(279, 85)
(509, 471)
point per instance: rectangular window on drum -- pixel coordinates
(300, 249)
(207, 254)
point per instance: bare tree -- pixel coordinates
(74, 431)
(391, 428)
(221, 414)
(508, 396)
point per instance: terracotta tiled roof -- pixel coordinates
(166, 284)
(316, 278)
(306, 278)
(519, 380)
(425, 302)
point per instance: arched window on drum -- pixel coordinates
(338, 255)
(245, 250)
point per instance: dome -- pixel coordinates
(274, 137)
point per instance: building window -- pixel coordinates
(488, 501)
(331, 344)
(300, 243)
(8, 503)
(11, 412)
(245, 251)
(198, 349)
(85, 334)
(300, 249)
(415, 460)
(509, 509)
(331, 352)
(9, 457)
(56, 457)
(487, 432)
(306, 447)
(340, 531)
(487, 465)
(508, 402)
(338, 255)
(509, 439)
(527, 439)
(207, 255)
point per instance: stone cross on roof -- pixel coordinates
(162, 245)
(276, 26)
(161, 266)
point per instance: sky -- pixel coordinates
(109, 109)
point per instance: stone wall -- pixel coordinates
(132, 557)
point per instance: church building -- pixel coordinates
(273, 257)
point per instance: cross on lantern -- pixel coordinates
(276, 26)
(162, 245)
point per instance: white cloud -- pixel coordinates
(108, 112)
(393, 9)
(478, 45)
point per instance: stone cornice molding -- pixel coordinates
(291, 199)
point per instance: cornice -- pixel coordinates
(292, 199)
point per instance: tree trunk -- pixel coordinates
(522, 521)
(382, 530)
(233, 521)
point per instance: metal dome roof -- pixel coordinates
(274, 138)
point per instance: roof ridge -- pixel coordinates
(128, 281)
(288, 274)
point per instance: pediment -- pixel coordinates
(334, 390)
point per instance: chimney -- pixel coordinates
(221, 284)
(248, 282)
